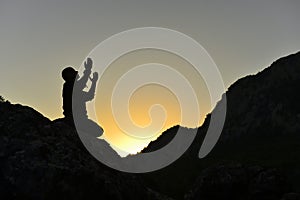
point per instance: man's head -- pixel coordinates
(69, 74)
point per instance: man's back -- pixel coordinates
(67, 99)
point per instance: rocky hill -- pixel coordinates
(43, 159)
(260, 105)
(262, 128)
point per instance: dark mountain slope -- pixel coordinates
(261, 128)
(40, 159)
(269, 100)
(163, 140)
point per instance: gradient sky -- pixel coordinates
(148, 121)
(39, 38)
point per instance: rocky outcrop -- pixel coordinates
(163, 140)
(41, 159)
(262, 105)
(262, 128)
(238, 182)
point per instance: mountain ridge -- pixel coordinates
(242, 82)
(261, 128)
(44, 159)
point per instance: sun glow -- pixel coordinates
(148, 103)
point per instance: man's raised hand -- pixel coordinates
(88, 64)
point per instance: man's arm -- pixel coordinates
(91, 93)
(81, 83)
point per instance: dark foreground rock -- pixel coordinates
(239, 182)
(40, 159)
(261, 128)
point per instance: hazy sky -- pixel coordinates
(39, 38)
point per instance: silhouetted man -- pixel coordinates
(75, 106)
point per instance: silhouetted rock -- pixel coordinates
(264, 104)
(261, 128)
(162, 141)
(2, 99)
(238, 182)
(261, 106)
(41, 159)
(291, 196)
